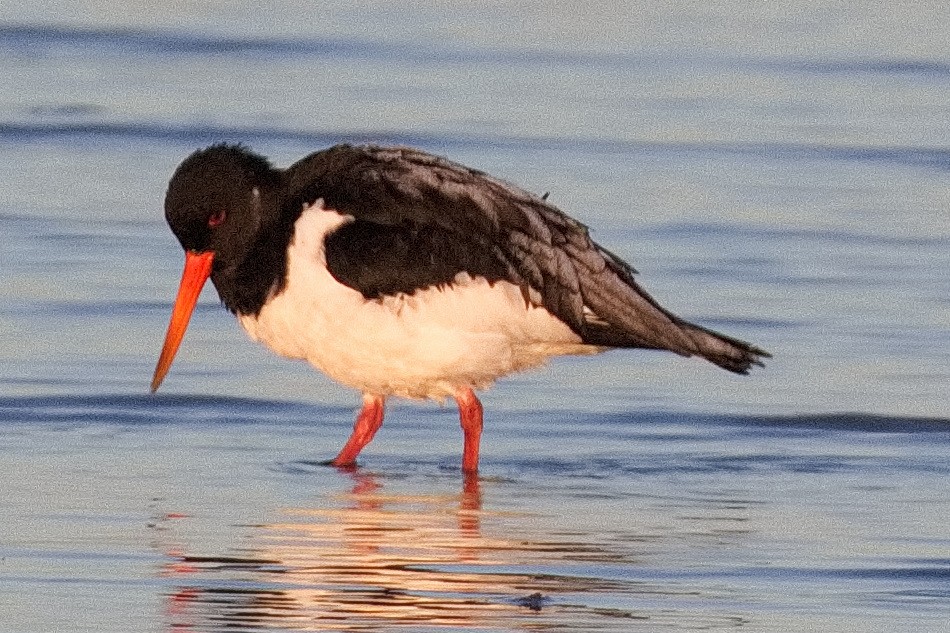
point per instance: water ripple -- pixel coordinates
(163, 42)
(164, 408)
(189, 135)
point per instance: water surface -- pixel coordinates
(781, 176)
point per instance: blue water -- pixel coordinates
(781, 176)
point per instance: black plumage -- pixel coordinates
(379, 259)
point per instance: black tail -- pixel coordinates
(726, 352)
(620, 313)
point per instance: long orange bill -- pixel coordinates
(196, 273)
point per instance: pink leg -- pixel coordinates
(470, 415)
(367, 423)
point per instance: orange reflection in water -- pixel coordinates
(372, 561)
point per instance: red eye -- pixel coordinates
(217, 219)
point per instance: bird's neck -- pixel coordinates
(260, 271)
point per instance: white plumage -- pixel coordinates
(428, 344)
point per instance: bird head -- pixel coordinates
(215, 206)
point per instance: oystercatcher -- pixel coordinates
(400, 273)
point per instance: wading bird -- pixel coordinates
(400, 273)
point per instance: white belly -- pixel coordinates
(424, 345)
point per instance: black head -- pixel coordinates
(219, 203)
(219, 199)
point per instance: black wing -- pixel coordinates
(384, 259)
(411, 204)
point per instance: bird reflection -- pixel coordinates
(373, 559)
(367, 557)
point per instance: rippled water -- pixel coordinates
(781, 176)
(206, 513)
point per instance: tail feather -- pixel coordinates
(725, 351)
(619, 312)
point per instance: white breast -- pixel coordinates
(424, 345)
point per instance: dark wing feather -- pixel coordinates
(381, 259)
(414, 200)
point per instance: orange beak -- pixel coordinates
(196, 273)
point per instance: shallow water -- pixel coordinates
(779, 176)
(206, 513)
